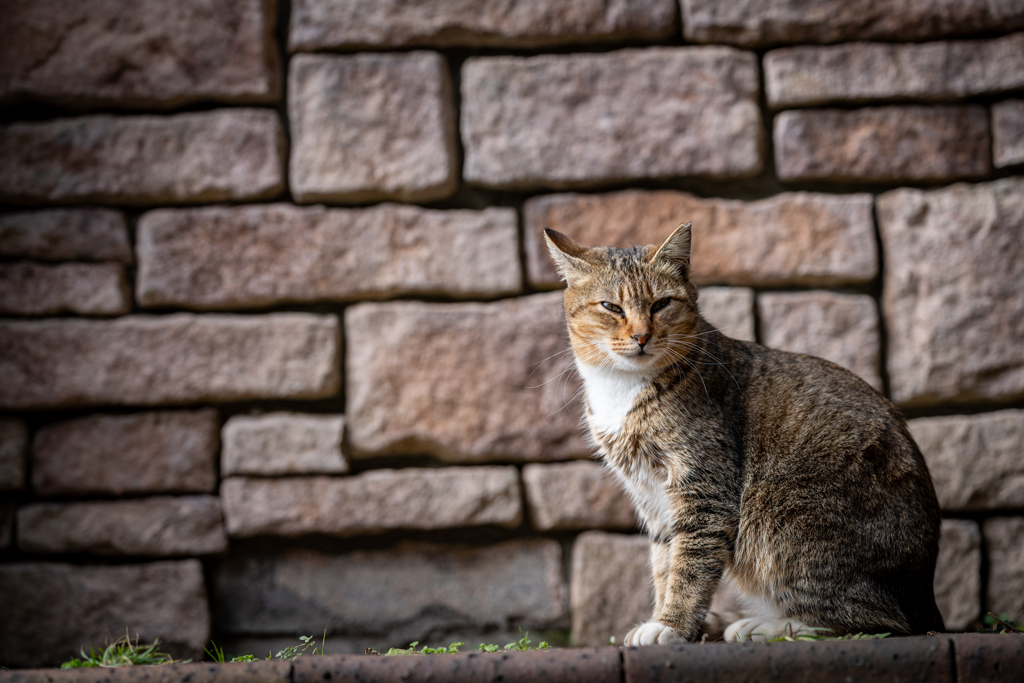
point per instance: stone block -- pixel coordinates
(140, 54)
(466, 382)
(283, 443)
(952, 300)
(730, 310)
(1004, 541)
(152, 452)
(980, 657)
(371, 126)
(842, 328)
(172, 359)
(759, 23)
(958, 574)
(610, 587)
(576, 495)
(66, 235)
(13, 453)
(399, 594)
(28, 288)
(1008, 133)
(794, 238)
(53, 610)
(577, 120)
(158, 526)
(210, 156)
(914, 143)
(373, 502)
(332, 24)
(7, 511)
(234, 257)
(861, 72)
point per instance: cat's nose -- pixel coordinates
(641, 339)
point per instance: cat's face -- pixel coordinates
(630, 309)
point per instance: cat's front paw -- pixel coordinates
(765, 628)
(653, 633)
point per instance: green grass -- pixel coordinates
(521, 645)
(121, 652)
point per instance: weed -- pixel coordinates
(121, 652)
(521, 645)
(1003, 620)
(411, 650)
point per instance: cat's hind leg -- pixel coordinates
(766, 628)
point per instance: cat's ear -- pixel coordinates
(567, 255)
(675, 251)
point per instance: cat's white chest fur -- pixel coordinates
(611, 394)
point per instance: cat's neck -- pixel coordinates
(610, 395)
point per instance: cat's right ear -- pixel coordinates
(567, 255)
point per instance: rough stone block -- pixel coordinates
(958, 574)
(730, 310)
(152, 452)
(371, 126)
(226, 154)
(66, 235)
(159, 526)
(576, 495)
(980, 657)
(401, 594)
(13, 453)
(331, 24)
(842, 328)
(173, 359)
(610, 587)
(139, 54)
(7, 511)
(1004, 541)
(575, 120)
(52, 610)
(283, 443)
(757, 23)
(1008, 133)
(28, 288)
(464, 382)
(795, 238)
(883, 144)
(859, 72)
(372, 502)
(261, 255)
(952, 300)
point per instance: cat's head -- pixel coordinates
(632, 309)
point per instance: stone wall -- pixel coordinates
(279, 350)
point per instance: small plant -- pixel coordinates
(122, 652)
(521, 645)
(1002, 623)
(411, 650)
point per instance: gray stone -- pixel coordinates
(842, 328)
(28, 288)
(1004, 541)
(952, 300)
(172, 359)
(576, 120)
(883, 144)
(1008, 133)
(66, 235)
(221, 257)
(52, 610)
(576, 495)
(466, 382)
(975, 460)
(159, 526)
(372, 502)
(958, 574)
(730, 310)
(283, 443)
(7, 510)
(13, 453)
(371, 126)
(226, 154)
(611, 586)
(153, 452)
(794, 238)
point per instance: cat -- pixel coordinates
(780, 477)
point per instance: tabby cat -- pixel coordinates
(780, 477)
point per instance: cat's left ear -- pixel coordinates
(567, 255)
(675, 251)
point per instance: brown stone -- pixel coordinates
(283, 443)
(952, 300)
(154, 452)
(1008, 133)
(53, 610)
(842, 328)
(66, 235)
(859, 72)
(13, 453)
(139, 54)
(883, 144)
(463, 382)
(226, 154)
(173, 359)
(730, 310)
(261, 255)
(372, 502)
(802, 238)
(757, 23)
(7, 510)
(611, 586)
(28, 288)
(958, 574)
(1004, 541)
(159, 526)
(576, 495)
(399, 594)
(577, 120)
(371, 126)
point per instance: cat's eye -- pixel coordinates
(660, 304)
(612, 307)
